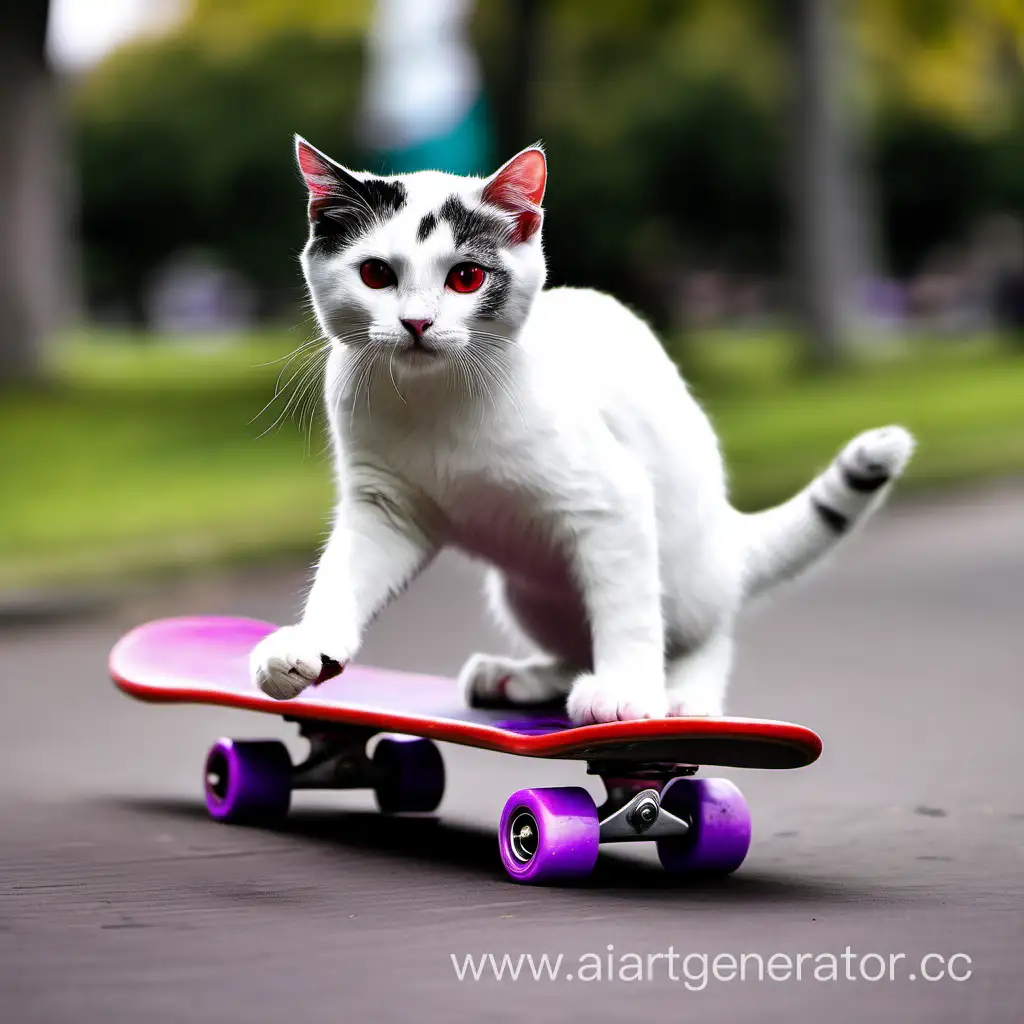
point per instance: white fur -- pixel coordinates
(564, 450)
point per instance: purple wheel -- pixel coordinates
(548, 835)
(719, 819)
(411, 774)
(248, 781)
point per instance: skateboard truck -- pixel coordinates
(641, 817)
(337, 758)
(633, 809)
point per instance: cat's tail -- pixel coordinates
(784, 541)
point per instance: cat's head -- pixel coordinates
(419, 266)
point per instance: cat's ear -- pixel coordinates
(329, 183)
(518, 188)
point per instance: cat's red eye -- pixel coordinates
(466, 277)
(376, 274)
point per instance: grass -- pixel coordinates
(146, 456)
(963, 401)
(139, 457)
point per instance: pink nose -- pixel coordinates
(416, 327)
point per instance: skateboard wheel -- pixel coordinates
(719, 820)
(548, 835)
(411, 774)
(248, 781)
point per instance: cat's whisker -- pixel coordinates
(361, 371)
(468, 373)
(278, 392)
(322, 344)
(483, 377)
(391, 374)
(307, 402)
(491, 371)
(298, 384)
(460, 364)
(308, 372)
(490, 336)
(289, 356)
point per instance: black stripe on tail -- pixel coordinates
(835, 521)
(863, 483)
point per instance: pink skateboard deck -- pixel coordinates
(700, 826)
(204, 660)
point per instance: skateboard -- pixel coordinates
(700, 825)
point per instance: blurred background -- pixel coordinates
(818, 203)
(820, 206)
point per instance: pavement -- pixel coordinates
(120, 901)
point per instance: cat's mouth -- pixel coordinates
(418, 355)
(417, 349)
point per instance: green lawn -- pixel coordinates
(963, 401)
(142, 457)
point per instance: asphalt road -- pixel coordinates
(121, 901)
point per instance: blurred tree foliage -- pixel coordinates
(661, 118)
(181, 145)
(932, 183)
(663, 142)
(950, 60)
(944, 82)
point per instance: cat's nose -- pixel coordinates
(416, 327)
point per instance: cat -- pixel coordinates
(546, 433)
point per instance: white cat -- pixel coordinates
(544, 432)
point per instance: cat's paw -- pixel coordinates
(603, 698)
(875, 457)
(694, 707)
(487, 681)
(284, 663)
(490, 681)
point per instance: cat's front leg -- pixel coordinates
(616, 561)
(284, 663)
(697, 679)
(375, 550)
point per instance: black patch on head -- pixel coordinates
(495, 295)
(863, 483)
(341, 219)
(427, 225)
(835, 521)
(477, 231)
(480, 236)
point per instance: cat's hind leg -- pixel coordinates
(697, 680)
(488, 680)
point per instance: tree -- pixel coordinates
(209, 134)
(33, 193)
(823, 235)
(939, 56)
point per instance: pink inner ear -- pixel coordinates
(520, 183)
(519, 188)
(317, 172)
